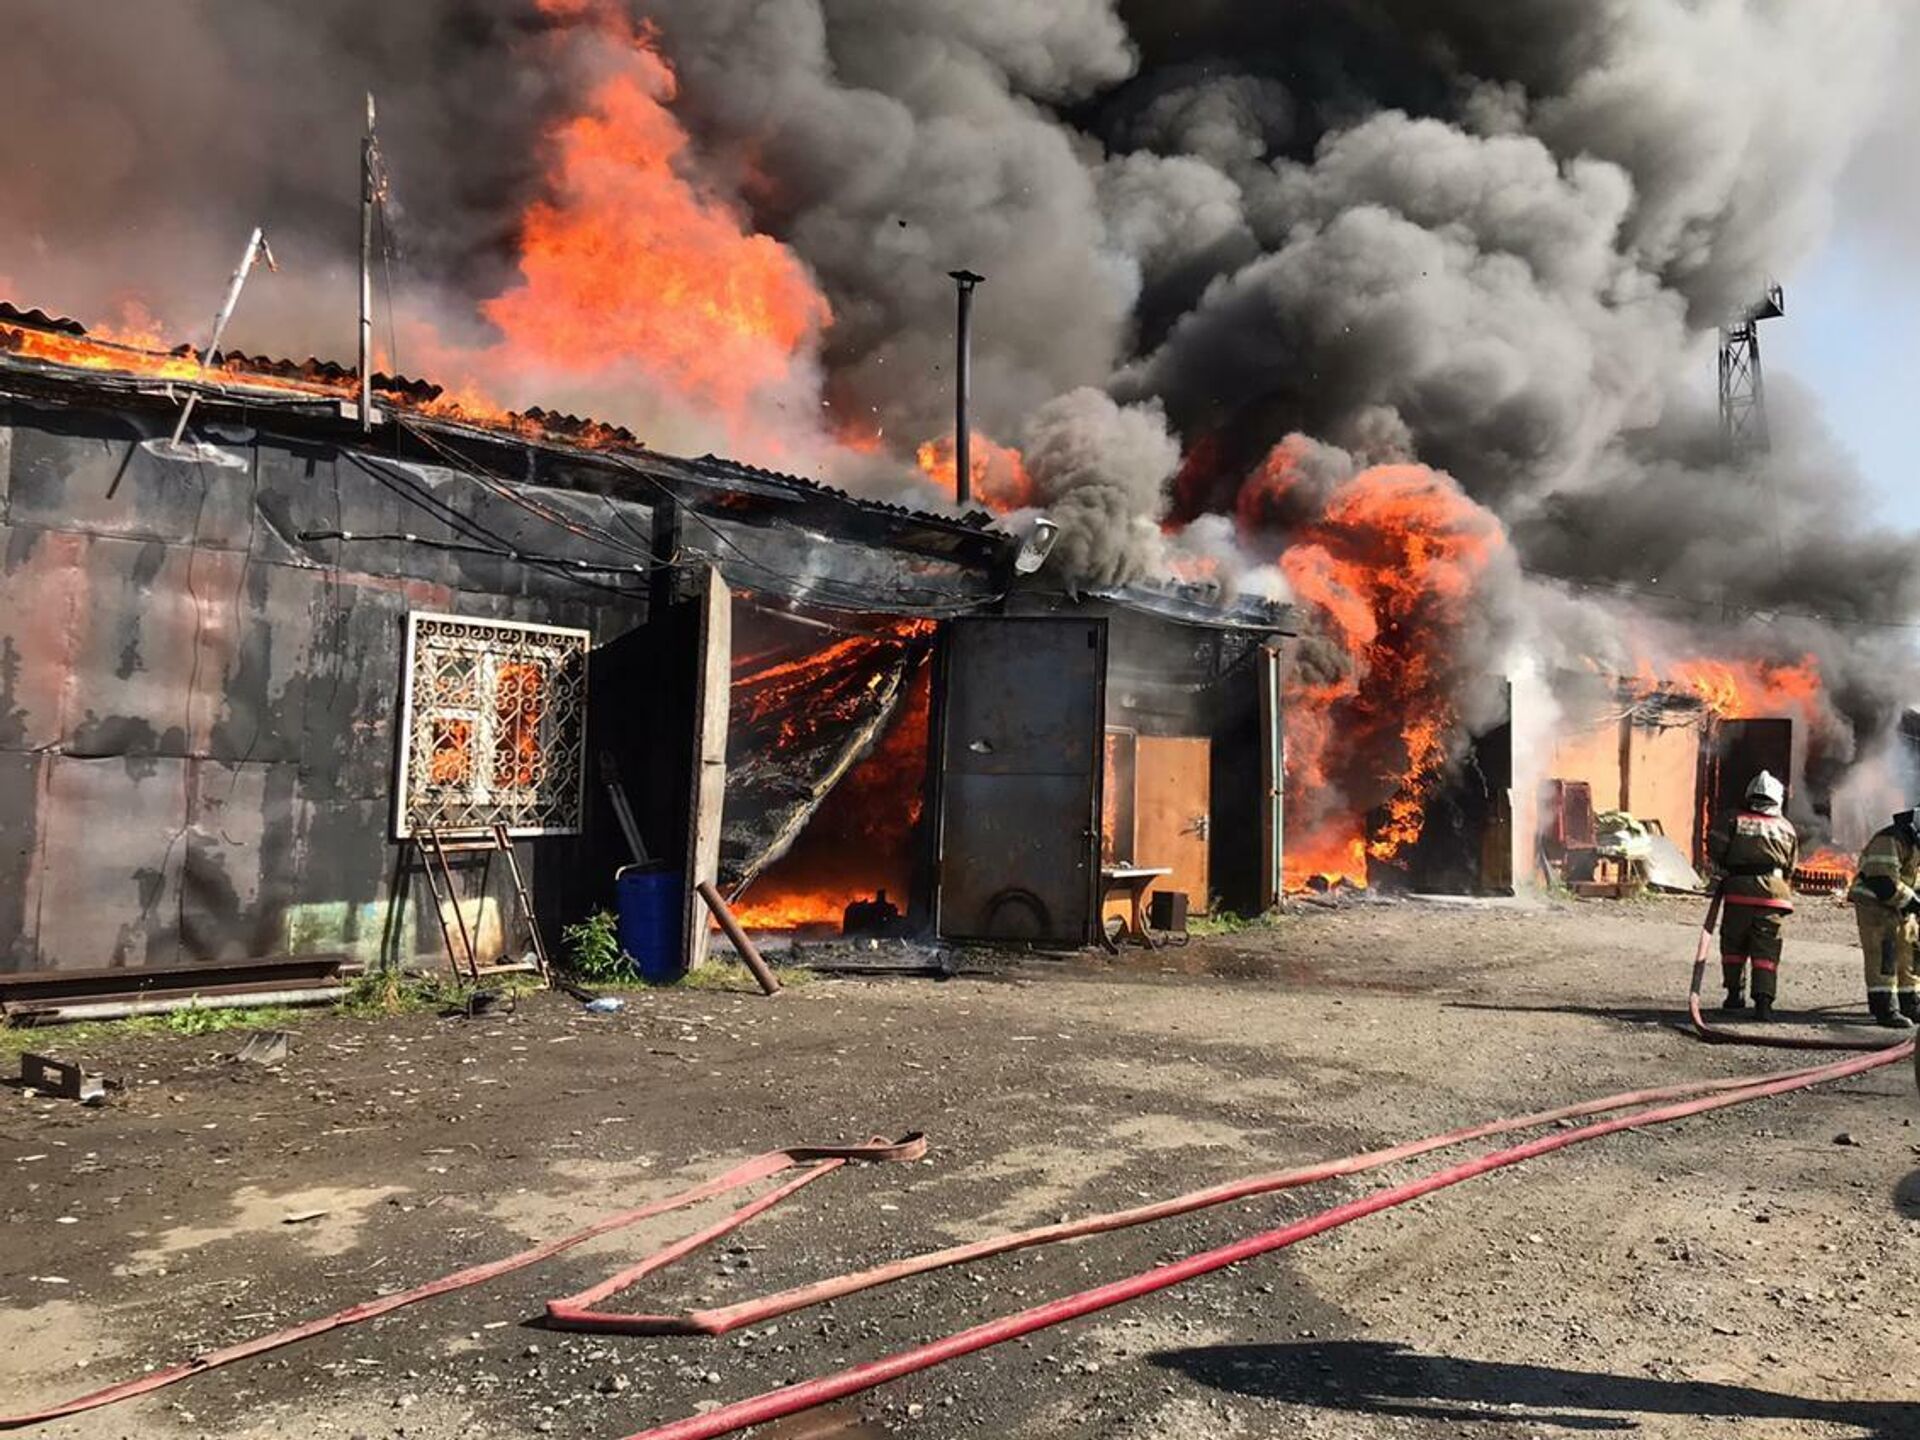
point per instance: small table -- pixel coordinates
(1132, 881)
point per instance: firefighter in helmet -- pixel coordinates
(1885, 903)
(1755, 851)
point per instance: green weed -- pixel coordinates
(387, 992)
(191, 1021)
(1227, 922)
(731, 975)
(593, 953)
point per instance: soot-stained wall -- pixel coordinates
(198, 706)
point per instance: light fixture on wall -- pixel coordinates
(1037, 546)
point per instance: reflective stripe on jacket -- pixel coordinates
(1889, 870)
(1756, 853)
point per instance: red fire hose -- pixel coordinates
(574, 1312)
(805, 1396)
(1716, 1035)
(820, 1159)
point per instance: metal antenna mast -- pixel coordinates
(369, 197)
(256, 250)
(1743, 394)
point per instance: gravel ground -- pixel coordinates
(1756, 1271)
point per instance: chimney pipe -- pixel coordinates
(963, 379)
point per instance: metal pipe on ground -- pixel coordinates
(128, 1009)
(749, 955)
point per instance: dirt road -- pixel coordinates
(1755, 1272)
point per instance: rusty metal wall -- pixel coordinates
(197, 703)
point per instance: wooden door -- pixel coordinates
(1173, 812)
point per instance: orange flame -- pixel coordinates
(137, 327)
(1391, 566)
(83, 352)
(628, 270)
(1738, 689)
(627, 265)
(860, 841)
(1000, 479)
(1829, 859)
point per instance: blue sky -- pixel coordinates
(1850, 333)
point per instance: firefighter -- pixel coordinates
(1885, 903)
(1755, 852)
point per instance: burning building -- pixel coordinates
(1380, 311)
(248, 681)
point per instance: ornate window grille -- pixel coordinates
(493, 728)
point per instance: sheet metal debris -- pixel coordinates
(1667, 868)
(62, 1078)
(265, 1047)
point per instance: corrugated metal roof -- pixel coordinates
(523, 427)
(719, 464)
(12, 314)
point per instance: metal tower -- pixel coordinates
(1743, 394)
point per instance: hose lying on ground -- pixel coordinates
(821, 1160)
(807, 1395)
(574, 1312)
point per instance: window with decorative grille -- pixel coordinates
(493, 730)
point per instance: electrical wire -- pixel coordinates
(410, 491)
(824, 590)
(456, 547)
(810, 588)
(504, 489)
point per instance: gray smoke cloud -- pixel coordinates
(139, 147)
(888, 144)
(1100, 470)
(1496, 239)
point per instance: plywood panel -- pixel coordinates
(1116, 799)
(1663, 775)
(711, 612)
(1593, 756)
(1173, 812)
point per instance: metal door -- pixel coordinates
(1021, 752)
(1735, 752)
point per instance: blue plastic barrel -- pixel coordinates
(648, 902)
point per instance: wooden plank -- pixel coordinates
(713, 676)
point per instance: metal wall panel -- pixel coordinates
(1021, 751)
(197, 703)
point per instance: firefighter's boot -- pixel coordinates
(1910, 1005)
(1885, 1015)
(1733, 974)
(1763, 1007)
